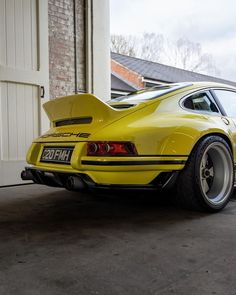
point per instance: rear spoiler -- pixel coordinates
(79, 106)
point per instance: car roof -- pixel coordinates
(183, 88)
(206, 84)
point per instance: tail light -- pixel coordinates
(110, 148)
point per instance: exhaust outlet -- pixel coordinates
(26, 175)
(74, 183)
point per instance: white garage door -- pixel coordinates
(23, 75)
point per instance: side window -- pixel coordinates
(200, 102)
(228, 101)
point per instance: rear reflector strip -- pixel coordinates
(133, 163)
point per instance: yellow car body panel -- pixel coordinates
(164, 135)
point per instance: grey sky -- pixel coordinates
(212, 23)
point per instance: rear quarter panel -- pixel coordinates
(157, 131)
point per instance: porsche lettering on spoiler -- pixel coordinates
(66, 134)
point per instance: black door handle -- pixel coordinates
(42, 91)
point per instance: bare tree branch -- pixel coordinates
(183, 53)
(123, 44)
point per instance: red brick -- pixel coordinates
(127, 74)
(61, 47)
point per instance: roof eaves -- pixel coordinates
(124, 81)
(127, 68)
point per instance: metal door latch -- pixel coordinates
(42, 91)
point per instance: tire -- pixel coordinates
(206, 183)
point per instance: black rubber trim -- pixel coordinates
(146, 156)
(55, 162)
(133, 163)
(49, 142)
(163, 156)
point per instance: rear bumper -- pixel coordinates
(81, 181)
(138, 170)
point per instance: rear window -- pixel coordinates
(148, 94)
(201, 102)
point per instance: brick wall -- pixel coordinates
(61, 47)
(132, 77)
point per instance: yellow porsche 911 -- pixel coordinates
(177, 134)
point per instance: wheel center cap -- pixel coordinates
(206, 173)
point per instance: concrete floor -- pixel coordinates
(56, 242)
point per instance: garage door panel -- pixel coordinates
(30, 34)
(34, 35)
(20, 34)
(31, 114)
(3, 57)
(20, 119)
(10, 33)
(20, 115)
(23, 69)
(4, 121)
